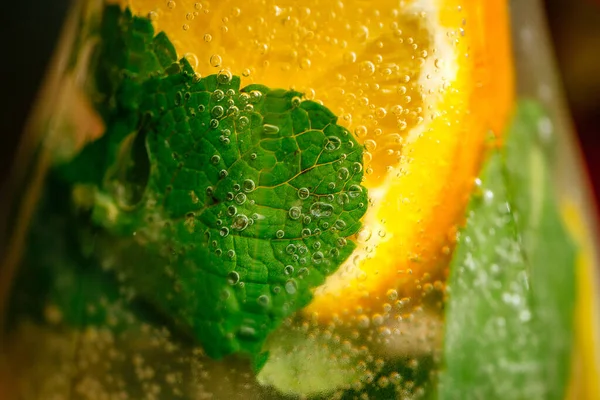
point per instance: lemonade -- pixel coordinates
(283, 199)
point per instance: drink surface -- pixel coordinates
(276, 199)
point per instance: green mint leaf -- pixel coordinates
(228, 206)
(511, 287)
(548, 248)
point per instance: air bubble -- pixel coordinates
(291, 248)
(233, 278)
(223, 174)
(303, 193)
(217, 112)
(332, 143)
(263, 300)
(231, 210)
(343, 174)
(248, 185)
(218, 95)
(305, 63)
(224, 231)
(317, 257)
(295, 212)
(270, 129)
(255, 96)
(321, 209)
(279, 234)
(215, 159)
(340, 225)
(360, 131)
(215, 60)
(367, 68)
(224, 77)
(171, 4)
(306, 232)
(240, 222)
(291, 287)
(354, 191)
(288, 270)
(243, 121)
(240, 198)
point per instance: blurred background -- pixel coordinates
(30, 28)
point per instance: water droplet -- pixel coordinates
(303, 193)
(295, 212)
(215, 60)
(320, 209)
(240, 222)
(270, 129)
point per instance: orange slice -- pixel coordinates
(421, 83)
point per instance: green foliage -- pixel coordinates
(512, 285)
(225, 206)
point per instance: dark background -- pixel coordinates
(29, 30)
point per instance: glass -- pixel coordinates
(405, 218)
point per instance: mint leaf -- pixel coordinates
(511, 287)
(548, 248)
(227, 206)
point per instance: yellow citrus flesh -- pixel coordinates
(421, 83)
